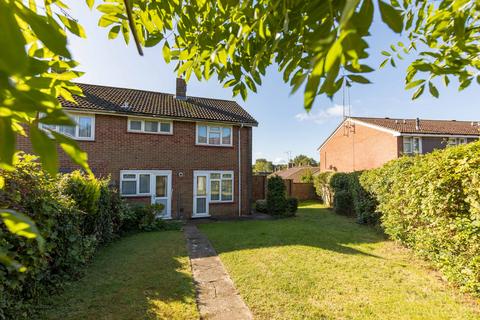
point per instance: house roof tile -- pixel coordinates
(295, 173)
(157, 104)
(408, 126)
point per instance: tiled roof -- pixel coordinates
(150, 103)
(408, 126)
(295, 173)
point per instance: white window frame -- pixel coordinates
(221, 179)
(454, 141)
(137, 174)
(75, 117)
(208, 126)
(142, 129)
(411, 138)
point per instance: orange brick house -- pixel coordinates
(360, 143)
(191, 154)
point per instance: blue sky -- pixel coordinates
(283, 124)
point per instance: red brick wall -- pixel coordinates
(303, 191)
(359, 149)
(115, 149)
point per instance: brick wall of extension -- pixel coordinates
(363, 148)
(115, 149)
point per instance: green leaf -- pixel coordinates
(418, 93)
(348, 11)
(10, 263)
(71, 148)
(13, 57)
(52, 37)
(433, 90)
(357, 78)
(114, 32)
(166, 52)
(45, 148)
(413, 84)
(90, 3)
(21, 225)
(73, 26)
(384, 62)
(391, 16)
(386, 53)
(7, 145)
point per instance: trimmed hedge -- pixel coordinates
(431, 203)
(345, 194)
(75, 214)
(277, 202)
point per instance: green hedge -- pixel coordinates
(345, 194)
(277, 202)
(431, 203)
(75, 214)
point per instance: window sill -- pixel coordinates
(214, 145)
(222, 202)
(136, 195)
(155, 133)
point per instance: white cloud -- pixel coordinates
(321, 116)
(279, 160)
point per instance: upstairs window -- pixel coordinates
(149, 126)
(214, 135)
(412, 145)
(83, 130)
(451, 142)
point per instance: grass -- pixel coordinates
(324, 266)
(143, 276)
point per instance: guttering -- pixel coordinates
(148, 115)
(240, 171)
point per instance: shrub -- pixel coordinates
(431, 203)
(307, 177)
(342, 203)
(261, 206)
(144, 217)
(322, 186)
(292, 206)
(276, 200)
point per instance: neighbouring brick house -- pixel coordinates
(191, 154)
(360, 143)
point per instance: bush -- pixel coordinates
(276, 200)
(342, 202)
(431, 203)
(261, 206)
(307, 177)
(75, 214)
(292, 206)
(322, 186)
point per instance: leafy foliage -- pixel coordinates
(304, 161)
(262, 165)
(70, 233)
(431, 203)
(261, 206)
(321, 182)
(307, 176)
(276, 199)
(292, 206)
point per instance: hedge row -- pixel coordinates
(74, 213)
(345, 194)
(277, 203)
(431, 203)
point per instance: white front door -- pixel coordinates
(200, 195)
(162, 193)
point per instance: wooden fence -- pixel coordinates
(301, 191)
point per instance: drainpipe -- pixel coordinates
(239, 172)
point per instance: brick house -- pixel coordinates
(191, 154)
(364, 143)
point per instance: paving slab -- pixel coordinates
(217, 297)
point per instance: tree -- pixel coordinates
(307, 176)
(262, 165)
(302, 161)
(318, 44)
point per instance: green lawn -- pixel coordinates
(323, 266)
(143, 276)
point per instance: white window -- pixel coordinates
(451, 142)
(83, 130)
(221, 186)
(149, 126)
(215, 135)
(134, 183)
(412, 145)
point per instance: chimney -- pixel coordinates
(417, 124)
(181, 93)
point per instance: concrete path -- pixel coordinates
(217, 297)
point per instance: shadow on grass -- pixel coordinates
(313, 226)
(142, 276)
